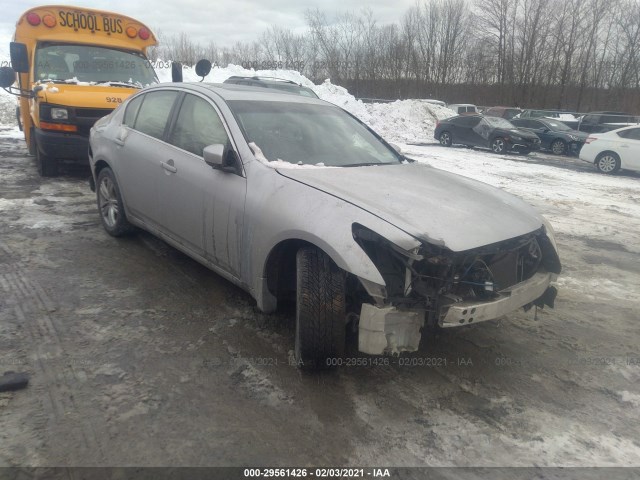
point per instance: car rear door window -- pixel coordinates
(132, 111)
(468, 121)
(154, 112)
(197, 126)
(632, 134)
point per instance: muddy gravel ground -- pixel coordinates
(140, 356)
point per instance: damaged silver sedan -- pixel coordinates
(292, 198)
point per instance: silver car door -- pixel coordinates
(203, 207)
(139, 160)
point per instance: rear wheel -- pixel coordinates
(445, 139)
(558, 147)
(114, 219)
(320, 310)
(608, 162)
(498, 145)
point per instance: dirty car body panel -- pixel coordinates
(417, 246)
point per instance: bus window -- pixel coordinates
(90, 63)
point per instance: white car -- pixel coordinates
(613, 150)
(463, 108)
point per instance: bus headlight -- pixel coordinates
(59, 114)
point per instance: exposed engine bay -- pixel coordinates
(456, 288)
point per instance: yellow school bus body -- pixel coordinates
(64, 28)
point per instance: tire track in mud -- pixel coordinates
(56, 379)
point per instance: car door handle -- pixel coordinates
(168, 166)
(624, 146)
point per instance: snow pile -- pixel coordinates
(406, 120)
(400, 121)
(8, 105)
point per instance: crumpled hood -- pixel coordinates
(432, 205)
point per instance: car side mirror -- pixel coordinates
(19, 57)
(7, 77)
(217, 156)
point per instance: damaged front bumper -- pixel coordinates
(507, 301)
(390, 330)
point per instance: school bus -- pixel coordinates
(74, 65)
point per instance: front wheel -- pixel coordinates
(445, 139)
(320, 310)
(608, 163)
(558, 147)
(114, 220)
(498, 145)
(47, 165)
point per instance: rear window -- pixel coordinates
(154, 112)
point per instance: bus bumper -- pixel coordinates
(63, 145)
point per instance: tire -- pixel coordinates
(558, 147)
(498, 145)
(608, 163)
(320, 310)
(445, 139)
(110, 205)
(47, 166)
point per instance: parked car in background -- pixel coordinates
(600, 122)
(570, 119)
(463, 108)
(554, 135)
(281, 195)
(287, 86)
(503, 112)
(613, 150)
(495, 133)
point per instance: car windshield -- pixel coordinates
(310, 134)
(88, 63)
(498, 122)
(557, 125)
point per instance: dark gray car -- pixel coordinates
(293, 198)
(554, 135)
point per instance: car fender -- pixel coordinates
(319, 218)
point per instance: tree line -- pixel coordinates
(578, 55)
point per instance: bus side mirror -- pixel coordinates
(19, 57)
(7, 77)
(203, 67)
(176, 72)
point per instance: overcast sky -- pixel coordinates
(223, 21)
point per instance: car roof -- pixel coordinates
(231, 91)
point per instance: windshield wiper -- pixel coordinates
(54, 80)
(120, 83)
(369, 164)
